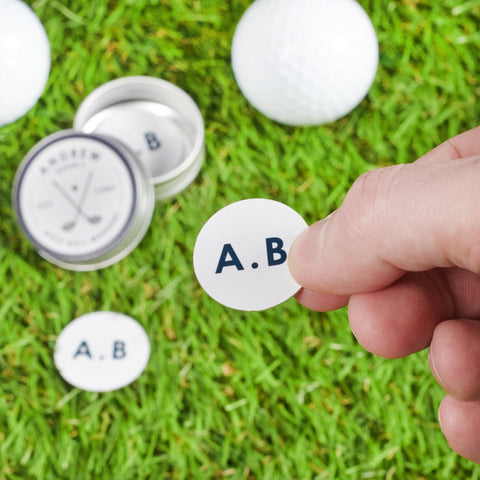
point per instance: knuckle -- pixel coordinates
(468, 256)
(370, 195)
(453, 149)
(368, 205)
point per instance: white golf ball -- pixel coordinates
(24, 60)
(305, 62)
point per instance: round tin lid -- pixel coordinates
(156, 120)
(84, 201)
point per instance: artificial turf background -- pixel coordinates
(282, 394)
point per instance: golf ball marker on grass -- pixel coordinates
(102, 351)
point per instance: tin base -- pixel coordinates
(156, 120)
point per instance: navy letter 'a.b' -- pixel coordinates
(228, 251)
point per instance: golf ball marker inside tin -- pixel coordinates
(84, 201)
(156, 120)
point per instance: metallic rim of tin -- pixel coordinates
(144, 88)
(132, 233)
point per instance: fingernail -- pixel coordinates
(434, 369)
(300, 253)
(306, 245)
(439, 416)
(440, 413)
(295, 256)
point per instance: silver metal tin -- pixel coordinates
(156, 120)
(83, 200)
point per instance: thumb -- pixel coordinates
(403, 218)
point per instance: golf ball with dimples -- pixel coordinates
(24, 60)
(305, 62)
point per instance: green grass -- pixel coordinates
(282, 394)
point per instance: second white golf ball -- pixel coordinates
(305, 62)
(24, 60)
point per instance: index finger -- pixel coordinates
(402, 218)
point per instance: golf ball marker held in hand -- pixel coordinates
(240, 255)
(305, 62)
(83, 200)
(102, 351)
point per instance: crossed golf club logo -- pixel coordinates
(79, 211)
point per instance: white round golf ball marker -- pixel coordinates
(102, 351)
(240, 256)
(82, 200)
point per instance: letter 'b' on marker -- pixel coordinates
(119, 350)
(276, 255)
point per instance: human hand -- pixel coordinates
(403, 251)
